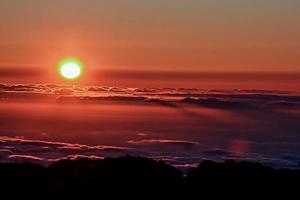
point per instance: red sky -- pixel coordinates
(145, 35)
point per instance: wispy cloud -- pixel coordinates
(45, 152)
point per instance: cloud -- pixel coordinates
(128, 99)
(284, 105)
(98, 89)
(25, 158)
(217, 152)
(217, 103)
(167, 97)
(182, 143)
(259, 112)
(75, 157)
(45, 152)
(142, 134)
(160, 102)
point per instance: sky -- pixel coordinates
(173, 35)
(177, 80)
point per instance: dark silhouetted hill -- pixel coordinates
(242, 177)
(131, 174)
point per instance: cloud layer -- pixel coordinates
(182, 126)
(22, 150)
(218, 99)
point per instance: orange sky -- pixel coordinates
(192, 35)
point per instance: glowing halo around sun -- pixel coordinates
(70, 68)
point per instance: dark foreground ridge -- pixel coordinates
(143, 174)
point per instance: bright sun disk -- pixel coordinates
(70, 70)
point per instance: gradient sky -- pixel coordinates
(207, 35)
(234, 64)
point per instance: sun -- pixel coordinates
(70, 68)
